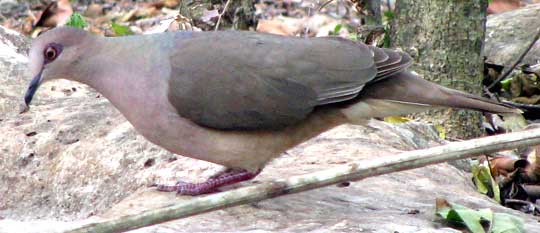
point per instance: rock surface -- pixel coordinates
(507, 35)
(73, 158)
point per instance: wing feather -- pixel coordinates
(249, 81)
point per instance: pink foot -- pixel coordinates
(227, 177)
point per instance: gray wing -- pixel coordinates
(243, 80)
(389, 62)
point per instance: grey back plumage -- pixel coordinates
(245, 80)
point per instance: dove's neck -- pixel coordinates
(125, 70)
(129, 74)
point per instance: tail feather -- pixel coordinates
(408, 88)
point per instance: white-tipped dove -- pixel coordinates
(239, 98)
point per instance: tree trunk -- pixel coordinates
(445, 38)
(373, 15)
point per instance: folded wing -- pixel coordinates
(242, 80)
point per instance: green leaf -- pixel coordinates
(386, 38)
(396, 119)
(77, 21)
(121, 30)
(461, 215)
(505, 223)
(389, 15)
(506, 84)
(337, 29)
(482, 186)
(475, 220)
(441, 130)
(484, 181)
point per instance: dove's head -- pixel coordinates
(54, 55)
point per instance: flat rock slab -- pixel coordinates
(507, 35)
(73, 159)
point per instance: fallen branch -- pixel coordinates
(350, 172)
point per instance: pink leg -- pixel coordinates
(227, 177)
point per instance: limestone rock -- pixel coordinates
(507, 35)
(73, 158)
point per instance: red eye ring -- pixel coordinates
(50, 53)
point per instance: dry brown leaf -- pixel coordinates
(94, 10)
(171, 3)
(276, 27)
(503, 165)
(499, 6)
(280, 26)
(182, 23)
(130, 15)
(166, 3)
(146, 12)
(55, 14)
(27, 26)
(96, 30)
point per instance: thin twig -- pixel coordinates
(520, 58)
(491, 95)
(306, 30)
(350, 172)
(324, 4)
(517, 201)
(221, 14)
(522, 106)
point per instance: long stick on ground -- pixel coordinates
(349, 172)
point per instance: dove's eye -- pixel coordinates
(51, 52)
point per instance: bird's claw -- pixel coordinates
(209, 186)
